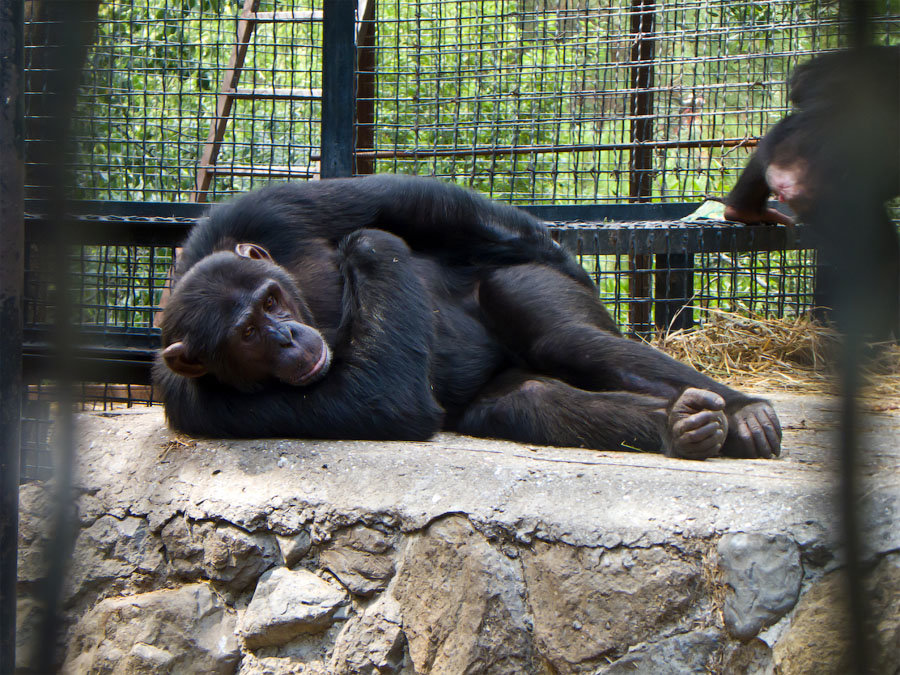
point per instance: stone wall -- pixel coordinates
(457, 556)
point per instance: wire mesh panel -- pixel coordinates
(576, 101)
(161, 74)
(691, 268)
(533, 101)
(762, 283)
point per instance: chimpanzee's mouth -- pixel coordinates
(318, 369)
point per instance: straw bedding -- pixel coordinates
(794, 355)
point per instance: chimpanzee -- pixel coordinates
(790, 160)
(389, 307)
(838, 152)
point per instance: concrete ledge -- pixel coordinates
(459, 553)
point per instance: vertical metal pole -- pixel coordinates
(855, 256)
(640, 183)
(674, 289)
(338, 95)
(12, 272)
(365, 85)
(70, 30)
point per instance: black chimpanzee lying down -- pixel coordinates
(390, 307)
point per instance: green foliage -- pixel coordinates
(150, 89)
(528, 100)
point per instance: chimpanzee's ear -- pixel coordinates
(252, 251)
(179, 362)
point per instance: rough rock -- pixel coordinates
(217, 551)
(28, 617)
(508, 557)
(462, 603)
(884, 596)
(677, 655)
(112, 550)
(279, 665)
(816, 641)
(763, 574)
(287, 603)
(188, 629)
(34, 526)
(588, 602)
(753, 657)
(360, 557)
(293, 548)
(372, 643)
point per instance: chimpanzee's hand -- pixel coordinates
(753, 431)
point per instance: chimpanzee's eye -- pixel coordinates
(270, 302)
(249, 332)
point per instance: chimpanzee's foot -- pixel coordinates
(754, 431)
(697, 425)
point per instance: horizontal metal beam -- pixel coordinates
(40, 365)
(110, 354)
(602, 229)
(683, 238)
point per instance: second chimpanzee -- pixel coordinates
(391, 307)
(838, 153)
(791, 160)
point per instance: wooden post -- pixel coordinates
(365, 85)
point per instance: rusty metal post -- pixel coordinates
(365, 87)
(640, 186)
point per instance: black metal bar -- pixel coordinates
(70, 30)
(597, 213)
(113, 231)
(338, 93)
(645, 239)
(853, 255)
(674, 290)
(102, 366)
(12, 275)
(602, 228)
(124, 209)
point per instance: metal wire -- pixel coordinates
(531, 101)
(527, 100)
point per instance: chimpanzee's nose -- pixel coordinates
(283, 335)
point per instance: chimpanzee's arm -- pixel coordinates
(461, 226)
(379, 383)
(445, 220)
(748, 200)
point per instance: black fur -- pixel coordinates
(838, 152)
(442, 310)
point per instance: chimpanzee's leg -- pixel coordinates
(531, 408)
(558, 328)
